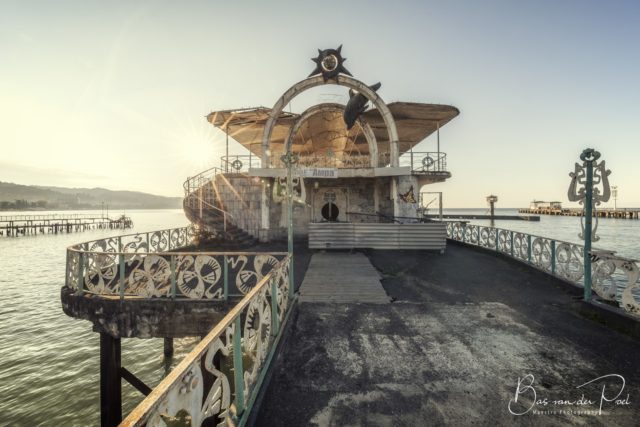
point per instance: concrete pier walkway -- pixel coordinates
(464, 328)
(339, 277)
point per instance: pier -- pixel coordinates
(23, 225)
(494, 217)
(600, 213)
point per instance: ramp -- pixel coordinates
(342, 278)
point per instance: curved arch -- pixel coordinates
(366, 129)
(340, 80)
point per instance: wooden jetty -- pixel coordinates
(600, 213)
(22, 225)
(494, 217)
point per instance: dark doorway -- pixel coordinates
(330, 212)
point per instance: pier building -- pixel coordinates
(351, 183)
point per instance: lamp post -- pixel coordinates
(289, 160)
(590, 197)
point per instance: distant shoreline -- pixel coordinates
(93, 208)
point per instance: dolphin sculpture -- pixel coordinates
(356, 106)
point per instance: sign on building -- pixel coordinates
(320, 173)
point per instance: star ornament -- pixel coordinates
(329, 63)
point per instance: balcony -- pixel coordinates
(432, 166)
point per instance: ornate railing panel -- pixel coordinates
(614, 278)
(219, 379)
(141, 265)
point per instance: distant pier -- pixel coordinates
(22, 225)
(600, 213)
(494, 217)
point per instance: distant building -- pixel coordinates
(539, 205)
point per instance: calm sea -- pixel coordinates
(49, 363)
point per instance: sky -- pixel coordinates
(114, 94)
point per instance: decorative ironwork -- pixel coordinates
(590, 175)
(599, 184)
(220, 378)
(329, 63)
(614, 278)
(138, 265)
(606, 265)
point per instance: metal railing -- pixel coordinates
(239, 164)
(139, 265)
(614, 278)
(344, 161)
(195, 183)
(424, 162)
(218, 381)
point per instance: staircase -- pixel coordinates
(203, 206)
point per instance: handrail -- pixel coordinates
(141, 265)
(614, 278)
(235, 350)
(239, 163)
(424, 161)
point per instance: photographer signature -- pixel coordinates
(612, 388)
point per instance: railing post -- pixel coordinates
(225, 277)
(588, 218)
(121, 268)
(512, 243)
(275, 320)
(497, 233)
(238, 369)
(81, 274)
(553, 257)
(292, 290)
(529, 248)
(464, 231)
(172, 264)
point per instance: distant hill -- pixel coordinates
(16, 196)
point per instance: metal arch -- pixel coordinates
(366, 128)
(341, 80)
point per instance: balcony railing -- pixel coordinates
(344, 161)
(239, 164)
(424, 162)
(614, 278)
(140, 265)
(218, 381)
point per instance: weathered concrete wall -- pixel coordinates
(241, 196)
(352, 196)
(146, 318)
(408, 195)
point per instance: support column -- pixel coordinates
(110, 384)
(168, 347)
(264, 212)
(376, 196)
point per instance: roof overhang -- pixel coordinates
(326, 130)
